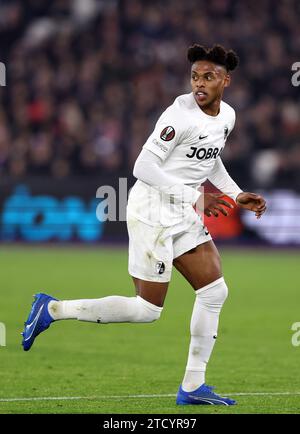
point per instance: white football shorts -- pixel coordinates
(153, 248)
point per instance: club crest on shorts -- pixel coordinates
(167, 134)
(160, 267)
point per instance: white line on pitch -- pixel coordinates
(95, 398)
(169, 395)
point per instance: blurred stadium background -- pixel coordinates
(87, 80)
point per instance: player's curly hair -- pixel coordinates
(217, 54)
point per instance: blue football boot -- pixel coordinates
(204, 395)
(38, 320)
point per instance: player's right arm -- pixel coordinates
(148, 169)
(169, 131)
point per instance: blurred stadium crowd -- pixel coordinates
(87, 80)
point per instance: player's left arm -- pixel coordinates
(253, 202)
(223, 181)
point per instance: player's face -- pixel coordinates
(208, 81)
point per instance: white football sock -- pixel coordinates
(204, 327)
(110, 309)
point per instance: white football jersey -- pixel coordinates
(189, 142)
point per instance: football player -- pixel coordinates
(183, 151)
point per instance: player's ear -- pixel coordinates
(227, 80)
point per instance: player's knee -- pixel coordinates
(220, 291)
(214, 294)
(147, 311)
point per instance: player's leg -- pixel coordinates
(145, 307)
(153, 292)
(150, 265)
(201, 267)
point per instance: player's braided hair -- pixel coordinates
(217, 54)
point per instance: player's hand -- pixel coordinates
(253, 202)
(212, 204)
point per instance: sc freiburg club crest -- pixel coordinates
(167, 134)
(160, 267)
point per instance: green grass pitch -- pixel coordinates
(108, 368)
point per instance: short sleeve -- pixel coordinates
(166, 135)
